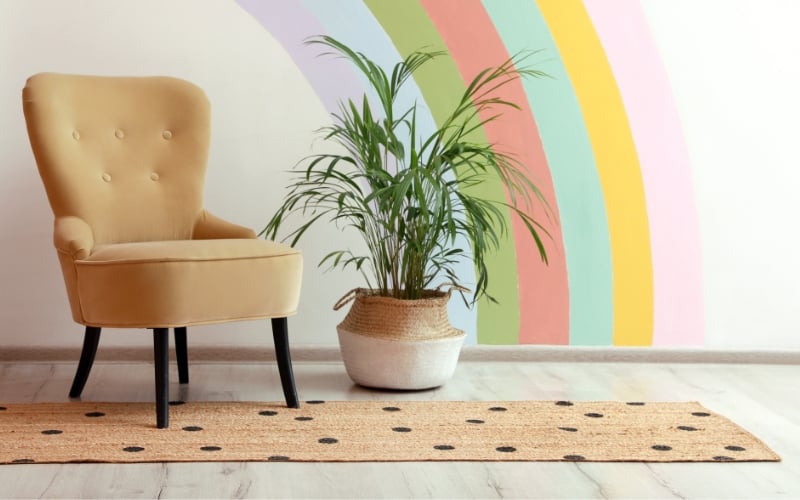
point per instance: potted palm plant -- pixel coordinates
(409, 199)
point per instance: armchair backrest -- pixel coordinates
(126, 154)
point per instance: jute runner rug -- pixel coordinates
(357, 431)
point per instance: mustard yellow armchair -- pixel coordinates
(123, 162)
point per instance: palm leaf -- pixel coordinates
(408, 197)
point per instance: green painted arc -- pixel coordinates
(441, 85)
(579, 194)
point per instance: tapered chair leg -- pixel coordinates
(161, 358)
(90, 340)
(280, 334)
(182, 355)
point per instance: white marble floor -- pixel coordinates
(761, 398)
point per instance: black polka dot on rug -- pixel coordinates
(593, 415)
(192, 428)
(701, 414)
(661, 447)
(391, 408)
(687, 428)
(498, 408)
(506, 449)
(3, 408)
(22, 461)
(267, 413)
(210, 448)
(634, 403)
(574, 458)
(564, 403)
(303, 419)
(52, 432)
(278, 458)
(315, 402)
(133, 449)
(401, 429)
(475, 421)
(722, 458)
(734, 448)
(95, 414)
(568, 429)
(444, 447)
(177, 403)
(328, 441)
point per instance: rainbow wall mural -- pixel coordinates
(602, 138)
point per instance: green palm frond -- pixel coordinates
(406, 196)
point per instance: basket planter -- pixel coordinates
(391, 343)
(403, 194)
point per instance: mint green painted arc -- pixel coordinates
(442, 85)
(579, 194)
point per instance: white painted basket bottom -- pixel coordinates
(397, 364)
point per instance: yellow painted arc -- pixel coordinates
(618, 167)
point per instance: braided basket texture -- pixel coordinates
(399, 344)
(396, 319)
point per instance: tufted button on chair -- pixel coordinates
(123, 161)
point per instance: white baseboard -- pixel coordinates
(605, 354)
(323, 354)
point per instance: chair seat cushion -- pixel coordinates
(187, 282)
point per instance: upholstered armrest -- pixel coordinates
(73, 236)
(211, 227)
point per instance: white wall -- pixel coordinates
(264, 114)
(733, 66)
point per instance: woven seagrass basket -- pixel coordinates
(398, 344)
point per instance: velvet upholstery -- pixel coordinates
(123, 161)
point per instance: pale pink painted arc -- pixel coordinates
(666, 171)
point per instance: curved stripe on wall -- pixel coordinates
(575, 179)
(602, 137)
(617, 164)
(472, 40)
(674, 231)
(353, 23)
(442, 85)
(291, 23)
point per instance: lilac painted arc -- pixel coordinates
(617, 165)
(572, 165)
(291, 23)
(475, 45)
(664, 160)
(352, 23)
(442, 86)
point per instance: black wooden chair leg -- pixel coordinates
(182, 355)
(161, 358)
(280, 334)
(90, 340)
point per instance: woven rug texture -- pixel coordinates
(359, 431)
